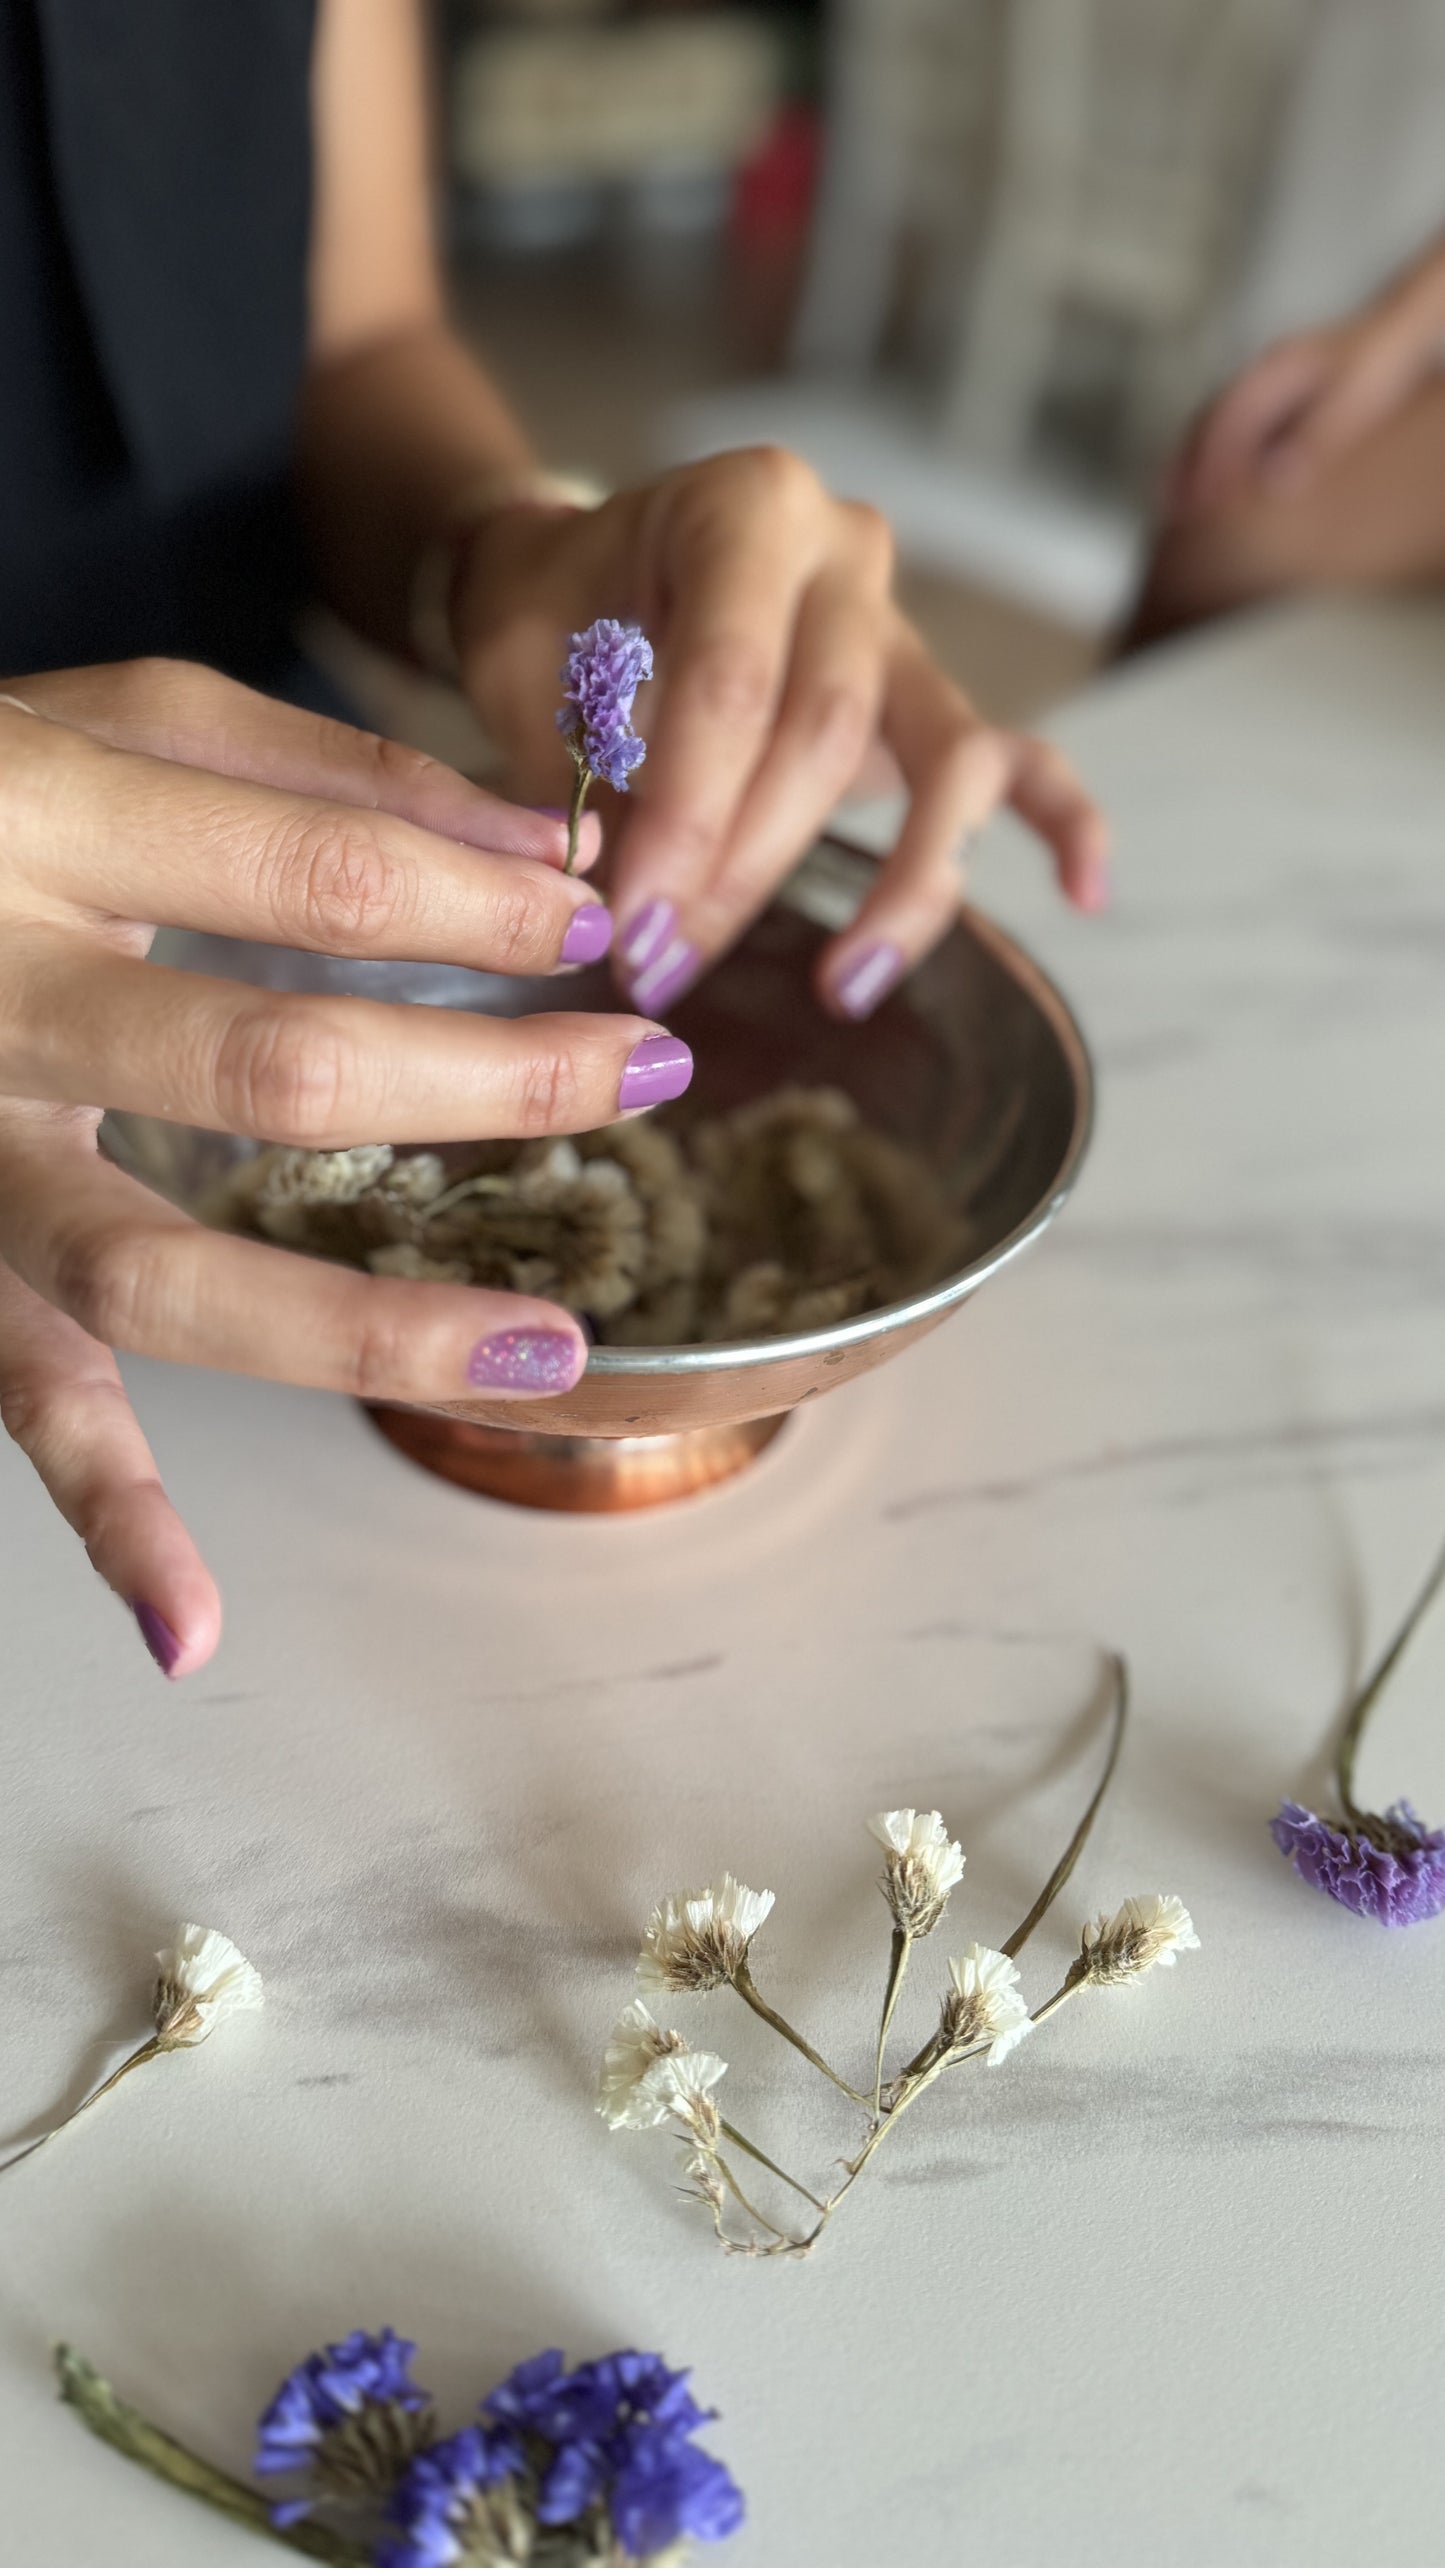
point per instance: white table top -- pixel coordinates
(1168, 2285)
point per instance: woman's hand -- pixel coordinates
(1302, 406)
(786, 675)
(162, 794)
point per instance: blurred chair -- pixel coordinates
(1071, 162)
(910, 111)
(1131, 151)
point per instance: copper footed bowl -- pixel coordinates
(976, 1062)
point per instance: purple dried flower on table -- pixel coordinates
(600, 678)
(668, 2489)
(617, 2434)
(1390, 1868)
(351, 2417)
(462, 2499)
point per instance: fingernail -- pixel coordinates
(527, 1360)
(549, 811)
(1095, 892)
(158, 1637)
(646, 935)
(589, 933)
(659, 1069)
(868, 979)
(664, 979)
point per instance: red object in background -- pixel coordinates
(774, 191)
(768, 227)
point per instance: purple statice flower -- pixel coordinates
(455, 2498)
(618, 2433)
(351, 2417)
(1390, 1868)
(600, 678)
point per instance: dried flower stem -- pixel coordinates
(1374, 1685)
(1119, 1670)
(753, 2213)
(730, 2132)
(575, 811)
(743, 1982)
(128, 2432)
(897, 1967)
(149, 2050)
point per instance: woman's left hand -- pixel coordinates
(786, 676)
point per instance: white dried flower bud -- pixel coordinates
(1117, 1950)
(637, 2042)
(698, 1939)
(681, 2087)
(414, 1181)
(203, 1979)
(924, 1863)
(984, 2004)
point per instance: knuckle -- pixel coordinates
(733, 680)
(339, 886)
(837, 719)
(779, 474)
(103, 1281)
(520, 927)
(404, 770)
(383, 1353)
(549, 1093)
(25, 1413)
(873, 535)
(281, 1074)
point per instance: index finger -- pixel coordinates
(195, 717)
(738, 575)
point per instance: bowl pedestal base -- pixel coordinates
(579, 1475)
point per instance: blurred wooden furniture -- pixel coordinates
(1052, 167)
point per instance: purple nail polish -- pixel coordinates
(659, 1069)
(589, 933)
(527, 1360)
(645, 935)
(665, 978)
(158, 1637)
(868, 979)
(549, 811)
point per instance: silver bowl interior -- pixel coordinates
(976, 1063)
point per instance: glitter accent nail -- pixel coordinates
(538, 1360)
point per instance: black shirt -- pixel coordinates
(155, 182)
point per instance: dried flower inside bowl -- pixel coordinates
(790, 1213)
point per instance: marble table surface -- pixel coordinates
(1170, 2284)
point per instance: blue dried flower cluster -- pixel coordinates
(609, 2445)
(600, 678)
(1392, 1869)
(343, 2416)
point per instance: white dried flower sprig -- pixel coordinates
(922, 1865)
(699, 1941)
(202, 1978)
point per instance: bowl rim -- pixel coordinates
(728, 1355)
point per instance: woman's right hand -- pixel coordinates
(156, 793)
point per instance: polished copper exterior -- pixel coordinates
(976, 1062)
